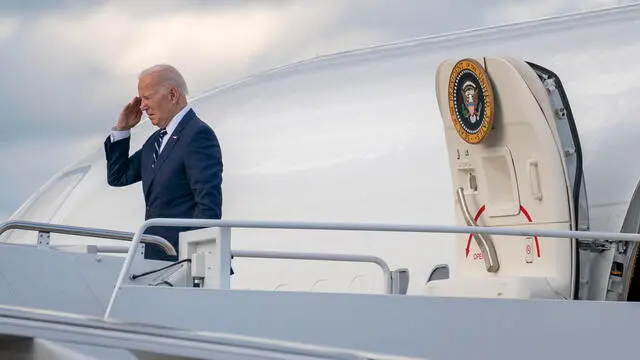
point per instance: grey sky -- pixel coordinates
(70, 65)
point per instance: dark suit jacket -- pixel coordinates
(186, 181)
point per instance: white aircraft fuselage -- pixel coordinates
(359, 137)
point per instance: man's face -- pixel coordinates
(155, 100)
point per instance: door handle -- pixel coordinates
(534, 179)
(484, 242)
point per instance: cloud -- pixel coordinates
(526, 10)
(31, 8)
(8, 26)
(80, 67)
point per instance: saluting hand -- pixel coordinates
(130, 115)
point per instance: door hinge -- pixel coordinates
(594, 246)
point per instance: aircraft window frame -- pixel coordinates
(26, 211)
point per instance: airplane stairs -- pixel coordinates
(63, 304)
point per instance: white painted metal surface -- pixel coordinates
(359, 138)
(137, 341)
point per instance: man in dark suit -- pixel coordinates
(180, 165)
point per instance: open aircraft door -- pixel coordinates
(515, 161)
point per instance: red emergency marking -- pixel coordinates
(478, 256)
(526, 214)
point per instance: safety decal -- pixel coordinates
(477, 216)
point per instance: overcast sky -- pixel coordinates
(68, 66)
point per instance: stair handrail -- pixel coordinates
(225, 227)
(86, 231)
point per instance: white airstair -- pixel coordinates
(46, 304)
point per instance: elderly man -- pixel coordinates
(180, 164)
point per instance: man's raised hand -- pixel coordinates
(130, 115)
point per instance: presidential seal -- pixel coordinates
(471, 103)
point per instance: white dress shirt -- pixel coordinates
(118, 135)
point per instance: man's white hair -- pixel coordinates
(169, 75)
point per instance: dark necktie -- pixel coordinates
(156, 151)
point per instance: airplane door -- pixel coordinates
(570, 141)
(515, 160)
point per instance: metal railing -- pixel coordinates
(93, 249)
(90, 232)
(386, 271)
(226, 226)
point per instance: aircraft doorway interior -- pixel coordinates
(623, 282)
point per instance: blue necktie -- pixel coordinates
(156, 151)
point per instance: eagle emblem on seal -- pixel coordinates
(471, 101)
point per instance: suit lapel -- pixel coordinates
(168, 147)
(173, 140)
